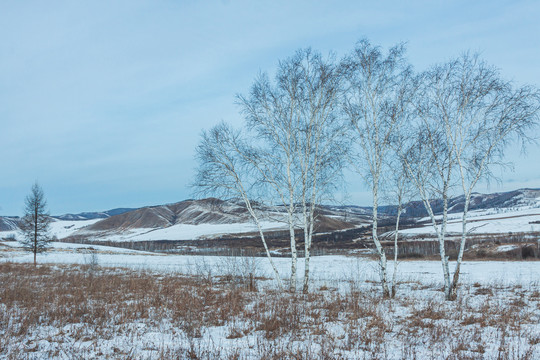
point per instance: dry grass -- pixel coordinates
(78, 312)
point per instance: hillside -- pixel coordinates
(8, 223)
(192, 212)
(214, 218)
(93, 215)
(502, 200)
(198, 219)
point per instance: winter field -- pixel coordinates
(65, 228)
(102, 302)
(492, 221)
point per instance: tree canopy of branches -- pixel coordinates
(35, 223)
(301, 140)
(467, 115)
(377, 99)
(439, 132)
(224, 170)
(291, 151)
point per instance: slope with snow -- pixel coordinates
(58, 228)
(178, 231)
(498, 213)
(8, 223)
(491, 221)
(93, 215)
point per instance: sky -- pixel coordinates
(103, 102)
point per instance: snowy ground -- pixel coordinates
(64, 228)
(183, 231)
(490, 221)
(325, 269)
(495, 316)
(59, 228)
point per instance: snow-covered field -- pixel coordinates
(487, 222)
(59, 228)
(184, 231)
(325, 269)
(496, 315)
(62, 229)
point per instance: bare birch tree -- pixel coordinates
(35, 222)
(466, 117)
(301, 140)
(379, 90)
(224, 171)
(481, 113)
(430, 162)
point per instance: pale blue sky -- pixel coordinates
(103, 102)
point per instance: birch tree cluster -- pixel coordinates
(407, 135)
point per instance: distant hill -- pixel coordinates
(191, 219)
(8, 223)
(194, 212)
(93, 215)
(205, 211)
(502, 200)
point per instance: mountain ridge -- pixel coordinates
(215, 212)
(90, 215)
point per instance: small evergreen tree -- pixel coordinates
(35, 223)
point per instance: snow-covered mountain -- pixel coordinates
(8, 223)
(186, 220)
(497, 201)
(210, 218)
(93, 215)
(192, 212)
(195, 219)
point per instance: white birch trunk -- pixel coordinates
(444, 258)
(441, 232)
(380, 250)
(294, 256)
(455, 279)
(263, 239)
(306, 248)
(307, 255)
(467, 192)
(308, 239)
(396, 236)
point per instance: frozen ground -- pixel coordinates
(496, 315)
(64, 228)
(325, 269)
(59, 228)
(491, 221)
